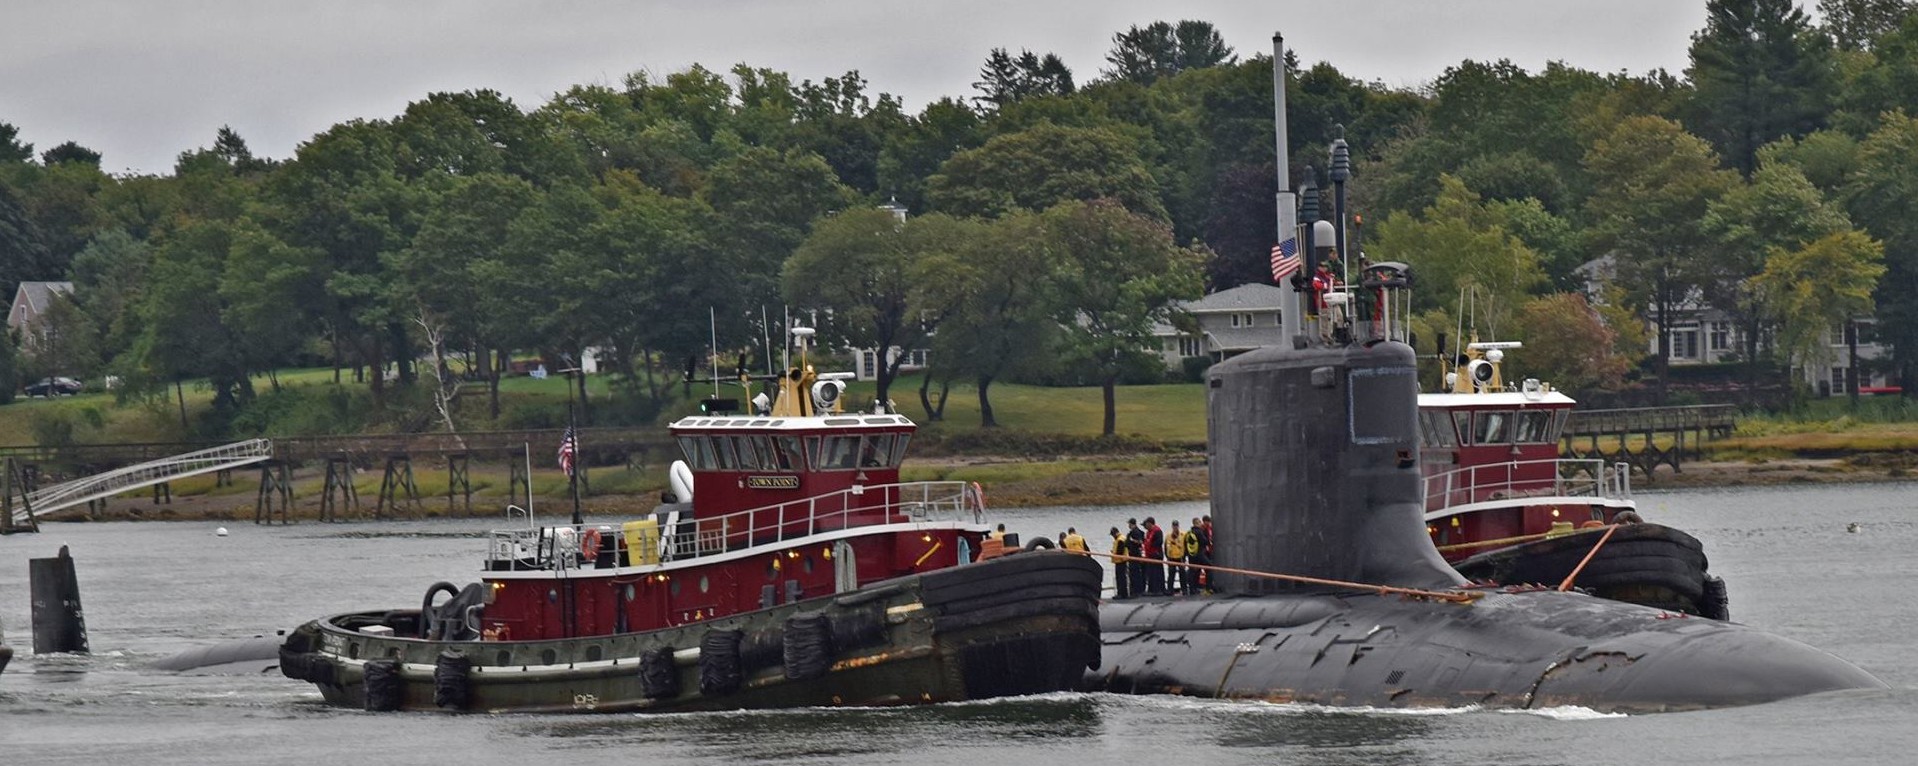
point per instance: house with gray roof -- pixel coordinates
(31, 301)
(1224, 324)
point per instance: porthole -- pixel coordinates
(549, 657)
(629, 593)
(703, 584)
(505, 658)
(552, 596)
(673, 588)
(807, 564)
(593, 653)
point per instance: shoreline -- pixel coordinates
(1174, 479)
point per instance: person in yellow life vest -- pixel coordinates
(1175, 556)
(1073, 541)
(1194, 553)
(1121, 574)
(997, 534)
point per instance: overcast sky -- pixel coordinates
(142, 80)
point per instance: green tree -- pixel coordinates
(63, 342)
(1779, 209)
(12, 149)
(9, 367)
(1042, 166)
(1879, 198)
(769, 200)
(1654, 184)
(1855, 25)
(1120, 273)
(107, 279)
(1006, 79)
(1458, 244)
(23, 255)
(70, 152)
(1817, 287)
(865, 265)
(1159, 50)
(263, 290)
(1759, 71)
(998, 294)
(1568, 344)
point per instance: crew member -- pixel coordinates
(1135, 547)
(1197, 542)
(1155, 558)
(998, 534)
(1072, 541)
(1176, 574)
(1122, 588)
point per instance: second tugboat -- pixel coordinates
(1502, 506)
(790, 568)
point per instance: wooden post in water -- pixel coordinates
(58, 623)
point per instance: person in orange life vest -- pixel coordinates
(1155, 555)
(1122, 587)
(1176, 573)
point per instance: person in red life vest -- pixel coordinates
(1155, 556)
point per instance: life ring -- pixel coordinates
(589, 544)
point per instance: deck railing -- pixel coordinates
(1563, 477)
(768, 527)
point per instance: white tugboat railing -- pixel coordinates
(767, 527)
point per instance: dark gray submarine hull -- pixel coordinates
(1508, 650)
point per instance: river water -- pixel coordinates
(154, 588)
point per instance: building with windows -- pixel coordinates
(30, 303)
(1224, 324)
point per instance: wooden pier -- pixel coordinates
(338, 457)
(1646, 437)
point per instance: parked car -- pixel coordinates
(54, 387)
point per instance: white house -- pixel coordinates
(1230, 322)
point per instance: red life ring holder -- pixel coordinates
(589, 544)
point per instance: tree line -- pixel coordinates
(1053, 218)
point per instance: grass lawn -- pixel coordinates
(1169, 413)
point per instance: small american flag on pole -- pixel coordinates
(1285, 259)
(568, 446)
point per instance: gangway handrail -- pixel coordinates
(68, 494)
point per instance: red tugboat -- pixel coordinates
(791, 568)
(1502, 506)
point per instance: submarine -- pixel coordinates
(1328, 588)
(1314, 478)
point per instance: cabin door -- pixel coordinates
(845, 568)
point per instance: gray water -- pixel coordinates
(151, 589)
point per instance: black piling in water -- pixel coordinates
(58, 624)
(6, 652)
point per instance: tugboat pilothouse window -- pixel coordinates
(1382, 405)
(838, 453)
(1492, 428)
(1437, 430)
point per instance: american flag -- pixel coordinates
(1285, 259)
(568, 445)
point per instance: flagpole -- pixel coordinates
(1290, 304)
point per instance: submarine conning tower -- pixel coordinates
(1314, 468)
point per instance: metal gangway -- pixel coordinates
(57, 497)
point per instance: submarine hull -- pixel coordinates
(1511, 650)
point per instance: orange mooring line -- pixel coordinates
(1457, 597)
(1491, 543)
(1567, 585)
